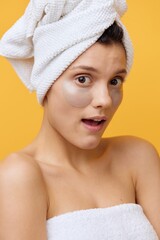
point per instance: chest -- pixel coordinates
(70, 191)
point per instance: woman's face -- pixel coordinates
(83, 100)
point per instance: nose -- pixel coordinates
(101, 97)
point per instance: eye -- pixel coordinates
(117, 82)
(83, 81)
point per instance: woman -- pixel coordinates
(69, 183)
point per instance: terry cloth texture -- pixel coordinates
(53, 33)
(121, 222)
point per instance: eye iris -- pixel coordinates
(114, 82)
(81, 79)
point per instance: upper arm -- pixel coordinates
(22, 200)
(148, 182)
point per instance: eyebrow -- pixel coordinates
(89, 68)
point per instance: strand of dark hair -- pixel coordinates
(113, 34)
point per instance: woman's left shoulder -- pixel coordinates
(143, 161)
(136, 155)
(131, 146)
(139, 153)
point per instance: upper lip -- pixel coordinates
(99, 118)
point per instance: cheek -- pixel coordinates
(75, 96)
(117, 97)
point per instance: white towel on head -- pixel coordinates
(53, 33)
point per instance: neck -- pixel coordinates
(51, 148)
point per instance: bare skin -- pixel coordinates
(68, 167)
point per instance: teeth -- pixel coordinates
(97, 120)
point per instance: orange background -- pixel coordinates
(139, 114)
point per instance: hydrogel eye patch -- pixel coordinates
(75, 95)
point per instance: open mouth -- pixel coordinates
(92, 122)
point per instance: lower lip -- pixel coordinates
(94, 128)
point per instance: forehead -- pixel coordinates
(102, 55)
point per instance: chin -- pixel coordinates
(89, 144)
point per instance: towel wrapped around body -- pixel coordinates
(121, 222)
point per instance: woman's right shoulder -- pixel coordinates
(23, 199)
(19, 165)
(21, 168)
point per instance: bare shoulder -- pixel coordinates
(15, 161)
(137, 154)
(23, 202)
(20, 167)
(130, 148)
(144, 162)
(132, 143)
